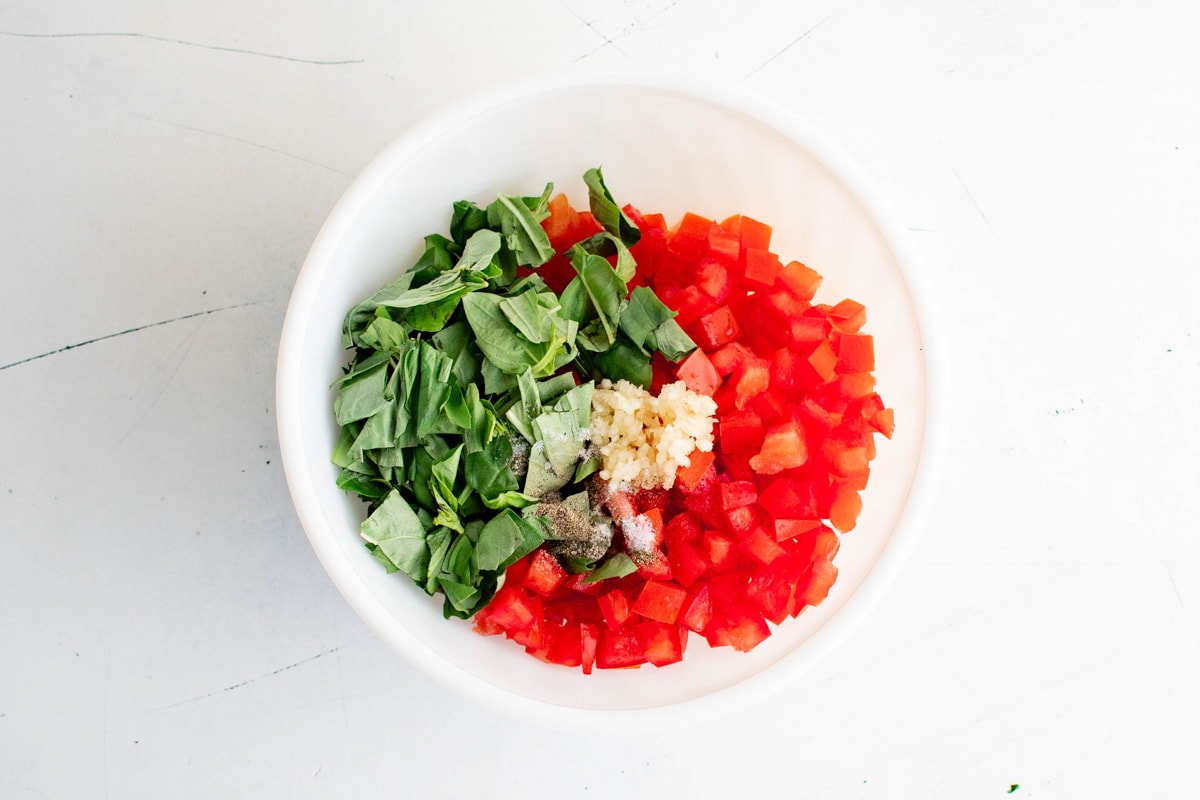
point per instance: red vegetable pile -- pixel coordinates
(747, 534)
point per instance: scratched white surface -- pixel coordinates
(165, 630)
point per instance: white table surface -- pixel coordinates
(165, 628)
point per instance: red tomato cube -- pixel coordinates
(663, 644)
(689, 477)
(545, 574)
(761, 267)
(783, 448)
(589, 638)
(800, 280)
(697, 609)
(691, 236)
(740, 432)
(615, 607)
(716, 329)
(619, 648)
(660, 601)
(698, 374)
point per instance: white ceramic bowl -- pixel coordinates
(665, 147)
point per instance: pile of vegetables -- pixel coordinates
(465, 426)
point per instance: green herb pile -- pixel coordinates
(460, 410)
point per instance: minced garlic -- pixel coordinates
(643, 439)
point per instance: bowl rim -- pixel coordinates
(878, 580)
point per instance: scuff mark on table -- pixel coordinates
(127, 331)
(167, 40)
(249, 681)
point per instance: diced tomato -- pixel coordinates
(697, 608)
(884, 422)
(791, 528)
(687, 563)
(698, 374)
(855, 352)
(750, 232)
(723, 245)
(783, 448)
(741, 520)
(856, 385)
(761, 267)
(560, 220)
(531, 634)
(713, 278)
(691, 235)
(762, 546)
(846, 506)
(751, 378)
(824, 362)
(561, 646)
(589, 638)
(742, 629)
(786, 498)
(578, 582)
(619, 648)
(808, 329)
(736, 494)
(727, 358)
(721, 550)
(772, 588)
(770, 405)
(716, 329)
(692, 304)
(817, 543)
(741, 432)
(699, 464)
(511, 609)
(821, 576)
(660, 601)
(848, 315)
(653, 565)
(545, 574)
(799, 279)
(615, 607)
(663, 643)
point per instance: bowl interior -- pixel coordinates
(664, 150)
